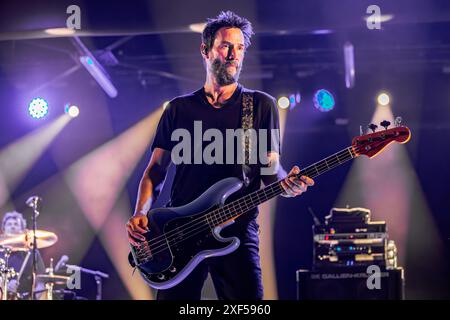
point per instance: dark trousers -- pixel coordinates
(236, 276)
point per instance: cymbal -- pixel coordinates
(24, 241)
(55, 279)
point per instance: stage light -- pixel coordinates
(349, 63)
(383, 99)
(99, 74)
(72, 110)
(382, 18)
(323, 100)
(60, 31)
(197, 27)
(283, 102)
(38, 108)
(322, 31)
(292, 101)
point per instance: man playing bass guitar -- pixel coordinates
(218, 105)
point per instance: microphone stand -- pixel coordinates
(35, 214)
(98, 275)
(33, 202)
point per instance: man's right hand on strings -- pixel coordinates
(136, 227)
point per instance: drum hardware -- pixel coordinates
(24, 241)
(5, 273)
(51, 280)
(54, 279)
(29, 241)
(10, 243)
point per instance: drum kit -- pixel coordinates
(10, 244)
(45, 285)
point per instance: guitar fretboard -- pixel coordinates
(252, 200)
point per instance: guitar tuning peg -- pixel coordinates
(398, 121)
(372, 127)
(385, 124)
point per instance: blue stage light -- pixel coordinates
(38, 108)
(294, 99)
(323, 100)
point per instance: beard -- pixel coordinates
(222, 74)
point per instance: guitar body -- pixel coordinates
(174, 252)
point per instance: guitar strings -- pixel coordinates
(169, 238)
(146, 250)
(250, 195)
(196, 231)
(202, 228)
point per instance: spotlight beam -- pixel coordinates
(57, 78)
(17, 158)
(266, 220)
(97, 181)
(390, 188)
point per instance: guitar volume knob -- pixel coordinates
(161, 276)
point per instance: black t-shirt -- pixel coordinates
(192, 179)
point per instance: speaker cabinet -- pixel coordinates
(350, 284)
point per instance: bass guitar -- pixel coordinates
(181, 237)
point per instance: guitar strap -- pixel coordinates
(247, 123)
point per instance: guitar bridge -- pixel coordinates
(141, 254)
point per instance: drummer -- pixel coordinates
(13, 223)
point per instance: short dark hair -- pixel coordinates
(226, 19)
